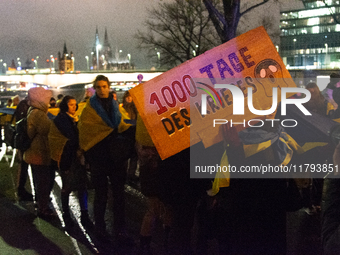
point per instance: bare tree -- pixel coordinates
(270, 23)
(177, 31)
(226, 22)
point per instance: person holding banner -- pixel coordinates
(129, 112)
(98, 125)
(150, 187)
(317, 104)
(252, 210)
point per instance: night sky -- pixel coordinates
(31, 28)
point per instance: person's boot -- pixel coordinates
(144, 245)
(64, 197)
(68, 220)
(123, 240)
(66, 210)
(100, 232)
(24, 195)
(85, 220)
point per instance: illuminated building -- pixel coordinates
(310, 37)
(106, 60)
(66, 62)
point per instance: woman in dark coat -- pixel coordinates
(64, 142)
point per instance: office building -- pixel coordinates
(310, 37)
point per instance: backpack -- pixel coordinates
(21, 139)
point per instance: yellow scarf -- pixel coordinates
(125, 116)
(222, 179)
(73, 116)
(92, 128)
(57, 142)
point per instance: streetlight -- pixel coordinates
(55, 63)
(294, 52)
(92, 60)
(129, 57)
(103, 64)
(159, 58)
(87, 62)
(73, 63)
(5, 65)
(35, 64)
(37, 61)
(326, 46)
(98, 47)
(52, 61)
(65, 63)
(194, 53)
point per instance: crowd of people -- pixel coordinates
(108, 139)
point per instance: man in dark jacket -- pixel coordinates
(97, 125)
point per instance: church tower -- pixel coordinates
(94, 51)
(107, 47)
(66, 63)
(106, 52)
(108, 60)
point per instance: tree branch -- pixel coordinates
(253, 7)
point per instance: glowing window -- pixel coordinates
(315, 30)
(337, 27)
(317, 12)
(320, 3)
(313, 21)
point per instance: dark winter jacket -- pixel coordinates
(67, 128)
(331, 217)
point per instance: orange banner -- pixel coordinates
(170, 104)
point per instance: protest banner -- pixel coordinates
(171, 103)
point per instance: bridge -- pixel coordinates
(59, 80)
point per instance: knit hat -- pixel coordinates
(334, 79)
(334, 75)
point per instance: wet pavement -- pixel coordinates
(22, 232)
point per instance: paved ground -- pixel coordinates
(21, 232)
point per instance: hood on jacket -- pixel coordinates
(39, 98)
